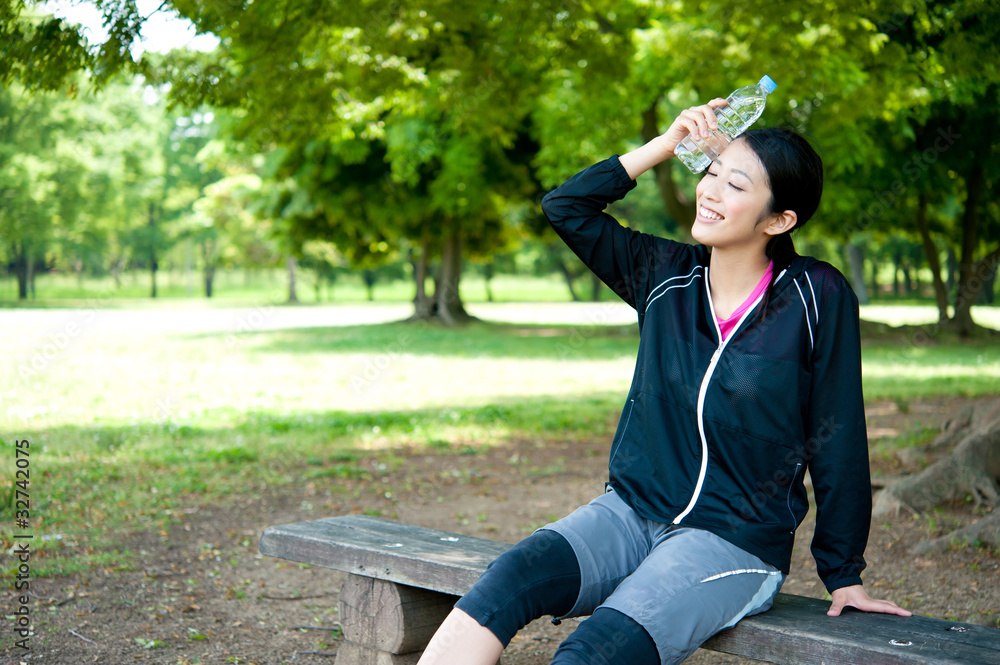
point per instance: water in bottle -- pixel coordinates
(745, 106)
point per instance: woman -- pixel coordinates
(748, 374)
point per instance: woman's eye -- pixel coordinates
(710, 173)
(735, 187)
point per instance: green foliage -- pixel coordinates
(388, 130)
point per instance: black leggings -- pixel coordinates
(540, 576)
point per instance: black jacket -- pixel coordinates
(718, 435)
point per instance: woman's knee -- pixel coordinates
(608, 637)
(537, 577)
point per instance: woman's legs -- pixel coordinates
(460, 639)
(538, 576)
(608, 637)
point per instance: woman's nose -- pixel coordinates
(711, 190)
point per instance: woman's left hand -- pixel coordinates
(856, 596)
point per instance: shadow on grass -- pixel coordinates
(293, 437)
(479, 339)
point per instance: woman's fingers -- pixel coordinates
(697, 121)
(701, 119)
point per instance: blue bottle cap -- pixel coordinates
(768, 84)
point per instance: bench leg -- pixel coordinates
(386, 623)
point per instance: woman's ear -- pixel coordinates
(781, 222)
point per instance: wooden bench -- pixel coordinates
(404, 579)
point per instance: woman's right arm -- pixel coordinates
(624, 259)
(576, 211)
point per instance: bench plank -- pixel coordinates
(795, 630)
(373, 547)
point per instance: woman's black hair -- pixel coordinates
(795, 175)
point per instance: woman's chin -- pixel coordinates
(700, 234)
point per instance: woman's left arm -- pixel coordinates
(837, 445)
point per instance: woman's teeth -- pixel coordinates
(708, 214)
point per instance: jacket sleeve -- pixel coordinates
(620, 257)
(837, 439)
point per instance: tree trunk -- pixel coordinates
(29, 267)
(369, 278)
(422, 305)
(17, 259)
(933, 260)
(874, 277)
(116, 271)
(488, 277)
(971, 469)
(856, 261)
(986, 295)
(952, 269)
(292, 295)
(209, 277)
(153, 265)
(968, 282)
(895, 273)
(189, 268)
(448, 305)
(679, 207)
(595, 287)
(569, 277)
(907, 278)
(985, 532)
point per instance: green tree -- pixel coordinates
(43, 170)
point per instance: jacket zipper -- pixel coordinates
(614, 453)
(703, 390)
(788, 501)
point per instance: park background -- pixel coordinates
(298, 268)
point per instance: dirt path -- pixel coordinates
(204, 594)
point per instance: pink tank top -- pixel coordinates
(726, 325)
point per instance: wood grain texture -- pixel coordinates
(388, 616)
(795, 631)
(373, 547)
(349, 653)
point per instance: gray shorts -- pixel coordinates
(682, 585)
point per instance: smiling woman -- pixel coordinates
(723, 419)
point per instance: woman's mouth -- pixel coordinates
(709, 215)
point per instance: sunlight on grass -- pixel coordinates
(899, 315)
(137, 416)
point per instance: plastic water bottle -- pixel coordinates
(745, 106)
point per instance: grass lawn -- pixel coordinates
(135, 415)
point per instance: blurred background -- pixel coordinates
(398, 151)
(265, 261)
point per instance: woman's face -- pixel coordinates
(732, 197)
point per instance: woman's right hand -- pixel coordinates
(698, 121)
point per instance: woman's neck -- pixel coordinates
(732, 276)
